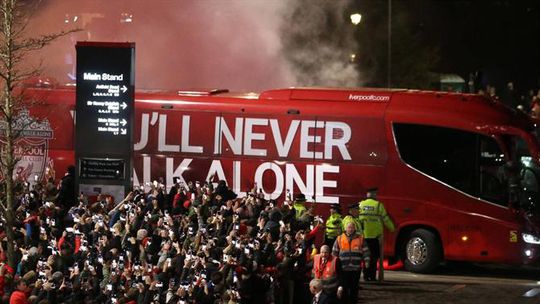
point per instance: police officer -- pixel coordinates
(333, 225)
(373, 216)
(352, 217)
(299, 205)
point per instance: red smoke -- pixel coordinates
(230, 44)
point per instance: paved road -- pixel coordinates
(457, 283)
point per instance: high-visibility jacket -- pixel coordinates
(372, 217)
(333, 226)
(326, 272)
(356, 220)
(351, 250)
(300, 209)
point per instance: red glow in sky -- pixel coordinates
(230, 44)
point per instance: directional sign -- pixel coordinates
(110, 169)
(104, 116)
(105, 87)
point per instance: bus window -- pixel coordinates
(469, 162)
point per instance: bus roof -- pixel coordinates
(430, 107)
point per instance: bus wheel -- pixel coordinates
(422, 251)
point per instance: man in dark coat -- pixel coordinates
(66, 195)
(224, 191)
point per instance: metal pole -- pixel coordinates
(389, 79)
(381, 258)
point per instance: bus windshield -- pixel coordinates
(511, 179)
(497, 168)
(529, 176)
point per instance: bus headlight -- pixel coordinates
(531, 239)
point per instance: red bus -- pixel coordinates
(458, 173)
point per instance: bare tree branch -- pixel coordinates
(32, 44)
(15, 48)
(3, 207)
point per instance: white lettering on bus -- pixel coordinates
(323, 183)
(237, 177)
(368, 97)
(162, 145)
(259, 173)
(185, 137)
(144, 133)
(293, 177)
(146, 172)
(315, 182)
(283, 147)
(216, 169)
(340, 143)
(178, 172)
(251, 136)
(306, 139)
(241, 137)
(234, 142)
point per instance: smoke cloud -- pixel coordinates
(234, 44)
(318, 41)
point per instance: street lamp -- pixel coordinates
(389, 63)
(356, 18)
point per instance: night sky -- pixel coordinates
(501, 39)
(261, 44)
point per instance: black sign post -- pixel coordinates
(104, 117)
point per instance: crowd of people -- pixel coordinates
(196, 243)
(528, 103)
